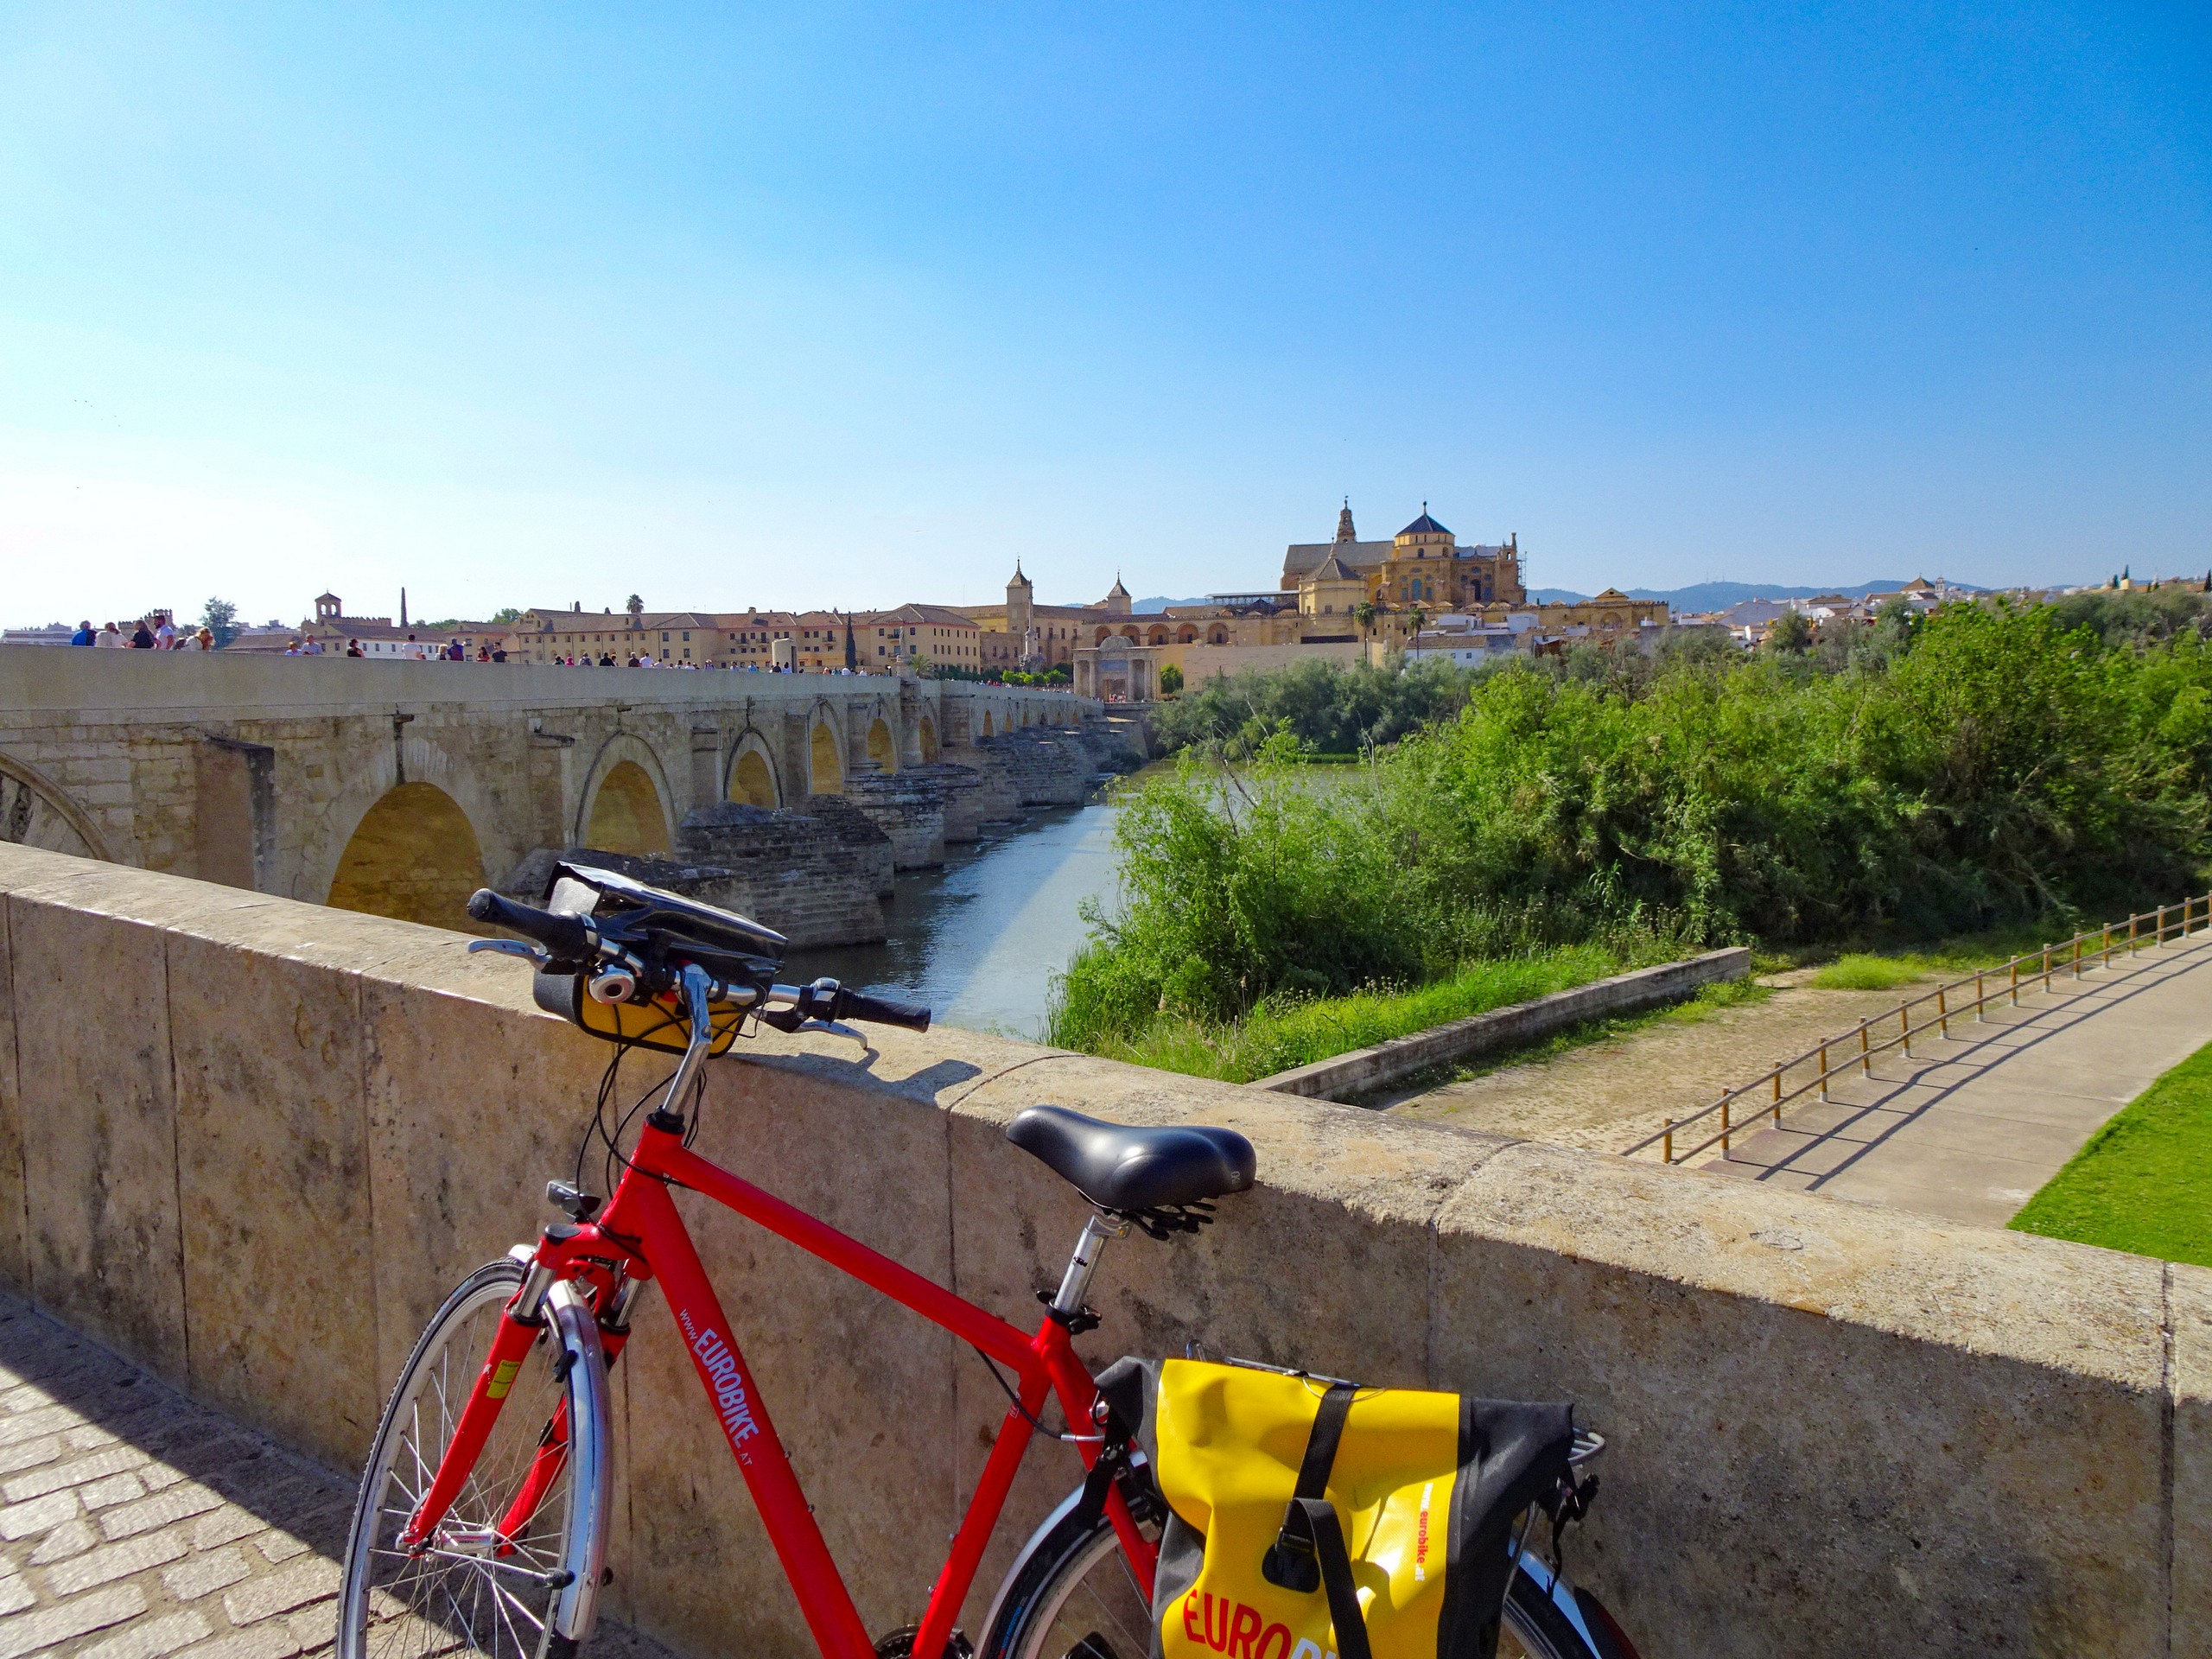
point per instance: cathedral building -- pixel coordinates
(1422, 565)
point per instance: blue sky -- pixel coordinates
(853, 305)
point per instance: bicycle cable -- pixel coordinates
(607, 1093)
(1006, 1389)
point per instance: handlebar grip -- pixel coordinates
(881, 1011)
(567, 937)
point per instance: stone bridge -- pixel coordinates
(398, 788)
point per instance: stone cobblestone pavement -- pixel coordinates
(134, 1523)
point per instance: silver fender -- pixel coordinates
(591, 1464)
(1559, 1593)
(1063, 1508)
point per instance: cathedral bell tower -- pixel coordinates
(1344, 532)
(1020, 603)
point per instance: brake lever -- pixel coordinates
(791, 1019)
(528, 953)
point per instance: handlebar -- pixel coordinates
(566, 938)
(881, 1010)
(574, 940)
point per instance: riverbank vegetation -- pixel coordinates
(1981, 768)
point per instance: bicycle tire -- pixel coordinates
(1534, 1628)
(465, 1597)
(1049, 1581)
(1076, 1568)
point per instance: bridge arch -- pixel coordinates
(881, 748)
(986, 723)
(414, 855)
(751, 777)
(928, 734)
(624, 807)
(825, 753)
(36, 811)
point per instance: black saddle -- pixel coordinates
(1123, 1168)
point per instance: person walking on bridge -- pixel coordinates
(84, 636)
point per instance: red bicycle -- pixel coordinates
(481, 1520)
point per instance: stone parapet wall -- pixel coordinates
(250, 1144)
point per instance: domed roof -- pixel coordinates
(1424, 526)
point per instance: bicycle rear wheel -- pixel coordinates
(1072, 1594)
(1073, 1597)
(501, 1574)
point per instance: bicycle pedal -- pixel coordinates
(572, 1202)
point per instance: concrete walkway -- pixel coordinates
(136, 1524)
(1970, 1127)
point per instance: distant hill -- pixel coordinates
(1718, 595)
(1159, 602)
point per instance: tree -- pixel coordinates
(507, 614)
(220, 618)
(1171, 680)
(1791, 631)
(1364, 614)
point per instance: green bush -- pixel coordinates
(1982, 769)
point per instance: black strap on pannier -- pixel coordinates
(1309, 1553)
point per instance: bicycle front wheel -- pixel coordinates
(499, 1574)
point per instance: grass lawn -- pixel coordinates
(1951, 958)
(1276, 1037)
(2144, 1183)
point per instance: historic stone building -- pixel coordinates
(1023, 634)
(1422, 565)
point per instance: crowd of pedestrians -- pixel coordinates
(156, 631)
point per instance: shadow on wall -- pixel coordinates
(626, 815)
(751, 782)
(828, 771)
(414, 856)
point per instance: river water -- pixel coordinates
(979, 940)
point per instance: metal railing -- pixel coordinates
(1770, 1095)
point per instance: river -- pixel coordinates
(979, 939)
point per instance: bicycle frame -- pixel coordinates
(640, 1236)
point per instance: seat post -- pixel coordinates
(1089, 1245)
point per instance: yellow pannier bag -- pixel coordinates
(1310, 1519)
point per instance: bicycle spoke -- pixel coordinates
(478, 1586)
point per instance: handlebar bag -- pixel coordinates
(1318, 1520)
(660, 1023)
